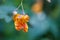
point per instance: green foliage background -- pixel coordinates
(7, 30)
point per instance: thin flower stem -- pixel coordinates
(21, 5)
(22, 8)
(18, 7)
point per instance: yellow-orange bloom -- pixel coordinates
(20, 22)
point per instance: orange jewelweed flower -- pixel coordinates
(20, 22)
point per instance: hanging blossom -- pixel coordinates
(20, 21)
